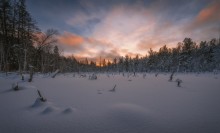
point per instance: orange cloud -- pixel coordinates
(84, 47)
(211, 13)
(98, 42)
(70, 39)
(208, 15)
(145, 45)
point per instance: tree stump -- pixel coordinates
(41, 97)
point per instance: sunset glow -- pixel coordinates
(94, 28)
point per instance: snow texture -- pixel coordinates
(144, 103)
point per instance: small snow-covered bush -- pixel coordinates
(31, 73)
(83, 76)
(55, 73)
(93, 77)
(215, 72)
(179, 81)
(22, 77)
(15, 86)
(171, 77)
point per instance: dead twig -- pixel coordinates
(41, 97)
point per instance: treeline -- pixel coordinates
(187, 56)
(23, 47)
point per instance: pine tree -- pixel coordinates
(5, 33)
(126, 63)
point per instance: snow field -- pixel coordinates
(144, 103)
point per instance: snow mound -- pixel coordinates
(38, 103)
(127, 117)
(69, 110)
(129, 112)
(14, 86)
(49, 110)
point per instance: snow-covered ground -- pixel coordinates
(111, 104)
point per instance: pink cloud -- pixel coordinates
(84, 47)
(134, 29)
(207, 16)
(71, 39)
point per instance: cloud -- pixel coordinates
(207, 16)
(115, 28)
(204, 25)
(143, 45)
(73, 40)
(137, 29)
(163, 33)
(70, 39)
(124, 25)
(85, 47)
(81, 19)
(198, 25)
(98, 42)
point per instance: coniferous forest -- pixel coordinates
(23, 46)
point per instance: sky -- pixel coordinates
(114, 28)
